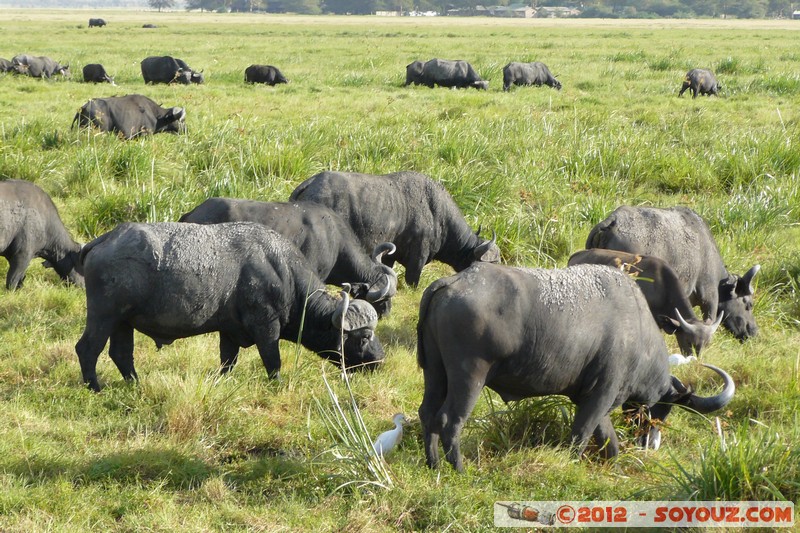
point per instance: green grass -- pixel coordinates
(187, 450)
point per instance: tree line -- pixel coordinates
(588, 8)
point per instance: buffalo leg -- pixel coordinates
(121, 351)
(589, 415)
(414, 271)
(228, 353)
(464, 387)
(17, 265)
(432, 401)
(606, 438)
(88, 348)
(266, 337)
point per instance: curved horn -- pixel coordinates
(708, 405)
(748, 277)
(387, 289)
(717, 322)
(484, 247)
(338, 316)
(385, 248)
(692, 328)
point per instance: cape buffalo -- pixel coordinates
(264, 74)
(700, 80)
(663, 291)
(243, 280)
(149, 26)
(38, 66)
(130, 115)
(414, 73)
(99, 23)
(447, 73)
(96, 73)
(30, 227)
(584, 332)
(405, 208)
(535, 73)
(165, 69)
(327, 242)
(681, 238)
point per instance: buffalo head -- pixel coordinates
(380, 293)
(197, 77)
(682, 396)
(172, 121)
(692, 336)
(183, 76)
(357, 320)
(736, 301)
(481, 85)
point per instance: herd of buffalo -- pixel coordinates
(256, 272)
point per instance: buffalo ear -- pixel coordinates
(176, 113)
(359, 290)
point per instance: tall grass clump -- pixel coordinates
(753, 463)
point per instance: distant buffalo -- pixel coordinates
(167, 69)
(535, 73)
(96, 73)
(700, 80)
(6, 65)
(30, 227)
(150, 26)
(130, 115)
(38, 66)
(264, 74)
(99, 23)
(447, 73)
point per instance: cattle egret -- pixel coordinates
(677, 359)
(387, 440)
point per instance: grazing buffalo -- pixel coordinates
(264, 74)
(584, 332)
(6, 65)
(38, 66)
(414, 73)
(447, 73)
(405, 208)
(96, 23)
(30, 227)
(535, 73)
(681, 238)
(196, 77)
(327, 242)
(700, 80)
(165, 69)
(243, 280)
(130, 115)
(663, 291)
(96, 73)
(149, 26)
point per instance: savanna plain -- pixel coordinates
(186, 450)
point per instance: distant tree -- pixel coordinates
(161, 4)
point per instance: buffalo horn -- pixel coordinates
(708, 405)
(748, 278)
(485, 246)
(388, 288)
(693, 328)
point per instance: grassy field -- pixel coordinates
(186, 450)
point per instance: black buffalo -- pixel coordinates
(662, 289)
(149, 26)
(96, 73)
(130, 115)
(30, 227)
(700, 81)
(166, 69)
(584, 332)
(264, 74)
(6, 65)
(98, 23)
(38, 66)
(447, 73)
(243, 280)
(535, 73)
(681, 237)
(327, 242)
(406, 208)
(414, 73)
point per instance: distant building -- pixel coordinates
(388, 14)
(557, 12)
(795, 15)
